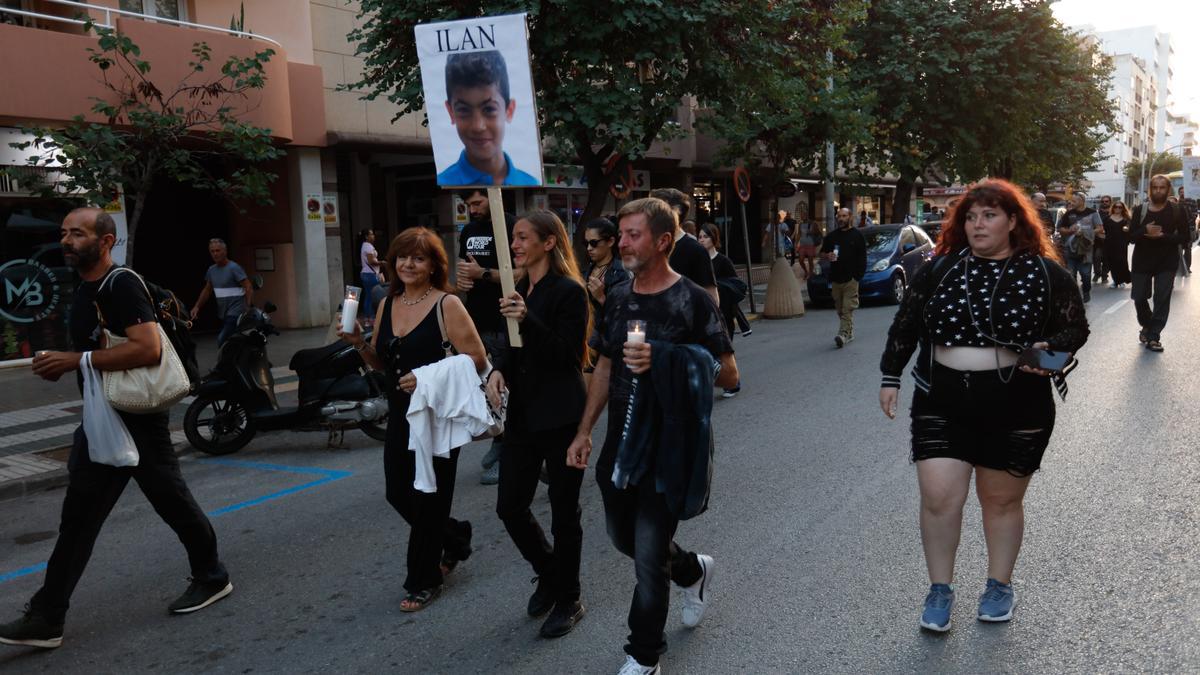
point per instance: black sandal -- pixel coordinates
(1154, 346)
(420, 600)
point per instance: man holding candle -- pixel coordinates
(657, 306)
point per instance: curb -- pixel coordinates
(57, 478)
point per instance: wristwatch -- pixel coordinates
(487, 274)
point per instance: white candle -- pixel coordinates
(349, 314)
(636, 337)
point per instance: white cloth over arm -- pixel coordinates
(447, 410)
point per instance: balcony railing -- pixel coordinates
(108, 13)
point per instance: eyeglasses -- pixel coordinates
(593, 243)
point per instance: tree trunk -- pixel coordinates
(904, 188)
(131, 225)
(598, 184)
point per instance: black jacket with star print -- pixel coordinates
(1066, 327)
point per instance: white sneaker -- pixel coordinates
(695, 597)
(632, 667)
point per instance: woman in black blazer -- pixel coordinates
(546, 399)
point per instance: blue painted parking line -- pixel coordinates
(327, 476)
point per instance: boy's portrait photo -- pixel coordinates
(481, 112)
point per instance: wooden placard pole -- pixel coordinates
(504, 254)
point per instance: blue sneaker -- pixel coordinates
(996, 603)
(938, 604)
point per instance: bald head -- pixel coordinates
(1039, 200)
(95, 219)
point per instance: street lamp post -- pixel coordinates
(1148, 171)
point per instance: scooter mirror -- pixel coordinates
(269, 307)
(257, 281)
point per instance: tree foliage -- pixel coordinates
(1161, 162)
(610, 76)
(987, 87)
(187, 131)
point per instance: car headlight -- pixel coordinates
(882, 265)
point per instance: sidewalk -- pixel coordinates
(40, 417)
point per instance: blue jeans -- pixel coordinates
(369, 281)
(1082, 267)
(228, 326)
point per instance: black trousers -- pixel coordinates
(1159, 285)
(92, 492)
(520, 467)
(434, 534)
(643, 528)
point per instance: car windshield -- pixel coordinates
(881, 242)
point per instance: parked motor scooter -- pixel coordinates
(237, 399)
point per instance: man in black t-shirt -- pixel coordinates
(674, 310)
(846, 250)
(88, 236)
(1189, 219)
(688, 258)
(478, 279)
(1157, 232)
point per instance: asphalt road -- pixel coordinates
(813, 526)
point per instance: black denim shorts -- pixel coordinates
(976, 417)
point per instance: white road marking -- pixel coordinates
(1116, 305)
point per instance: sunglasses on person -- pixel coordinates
(593, 243)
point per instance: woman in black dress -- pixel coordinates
(730, 288)
(1116, 244)
(408, 337)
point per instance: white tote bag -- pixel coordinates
(108, 440)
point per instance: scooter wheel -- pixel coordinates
(218, 426)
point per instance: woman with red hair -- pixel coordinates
(994, 290)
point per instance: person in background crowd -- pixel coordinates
(604, 269)
(1116, 244)
(478, 280)
(728, 286)
(1157, 231)
(1077, 236)
(846, 250)
(1189, 209)
(688, 257)
(226, 280)
(993, 290)
(1044, 214)
(779, 234)
(436, 542)
(864, 220)
(88, 236)
(809, 235)
(371, 276)
(641, 521)
(689, 228)
(1099, 262)
(545, 404)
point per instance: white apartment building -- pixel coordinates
(1156, 50)
(1133, 91)
(1182, 131)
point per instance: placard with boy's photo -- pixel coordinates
(480, 102)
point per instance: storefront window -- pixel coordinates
(36, 286)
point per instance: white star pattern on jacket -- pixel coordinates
(1018, 309)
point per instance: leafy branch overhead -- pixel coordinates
(189, 131)
(611, 77)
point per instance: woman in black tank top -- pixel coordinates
(407, 337)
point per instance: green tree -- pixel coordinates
(970, 89)
(610, 76)
(187, 131)
(1161, 162)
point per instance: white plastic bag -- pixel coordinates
(108, 440)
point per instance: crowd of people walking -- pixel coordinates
(645, 330)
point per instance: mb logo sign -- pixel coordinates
(29, 291)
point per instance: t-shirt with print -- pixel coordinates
(227, 288)
(684, 313)
(482, 301)
(691, 260)
(123, 303)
